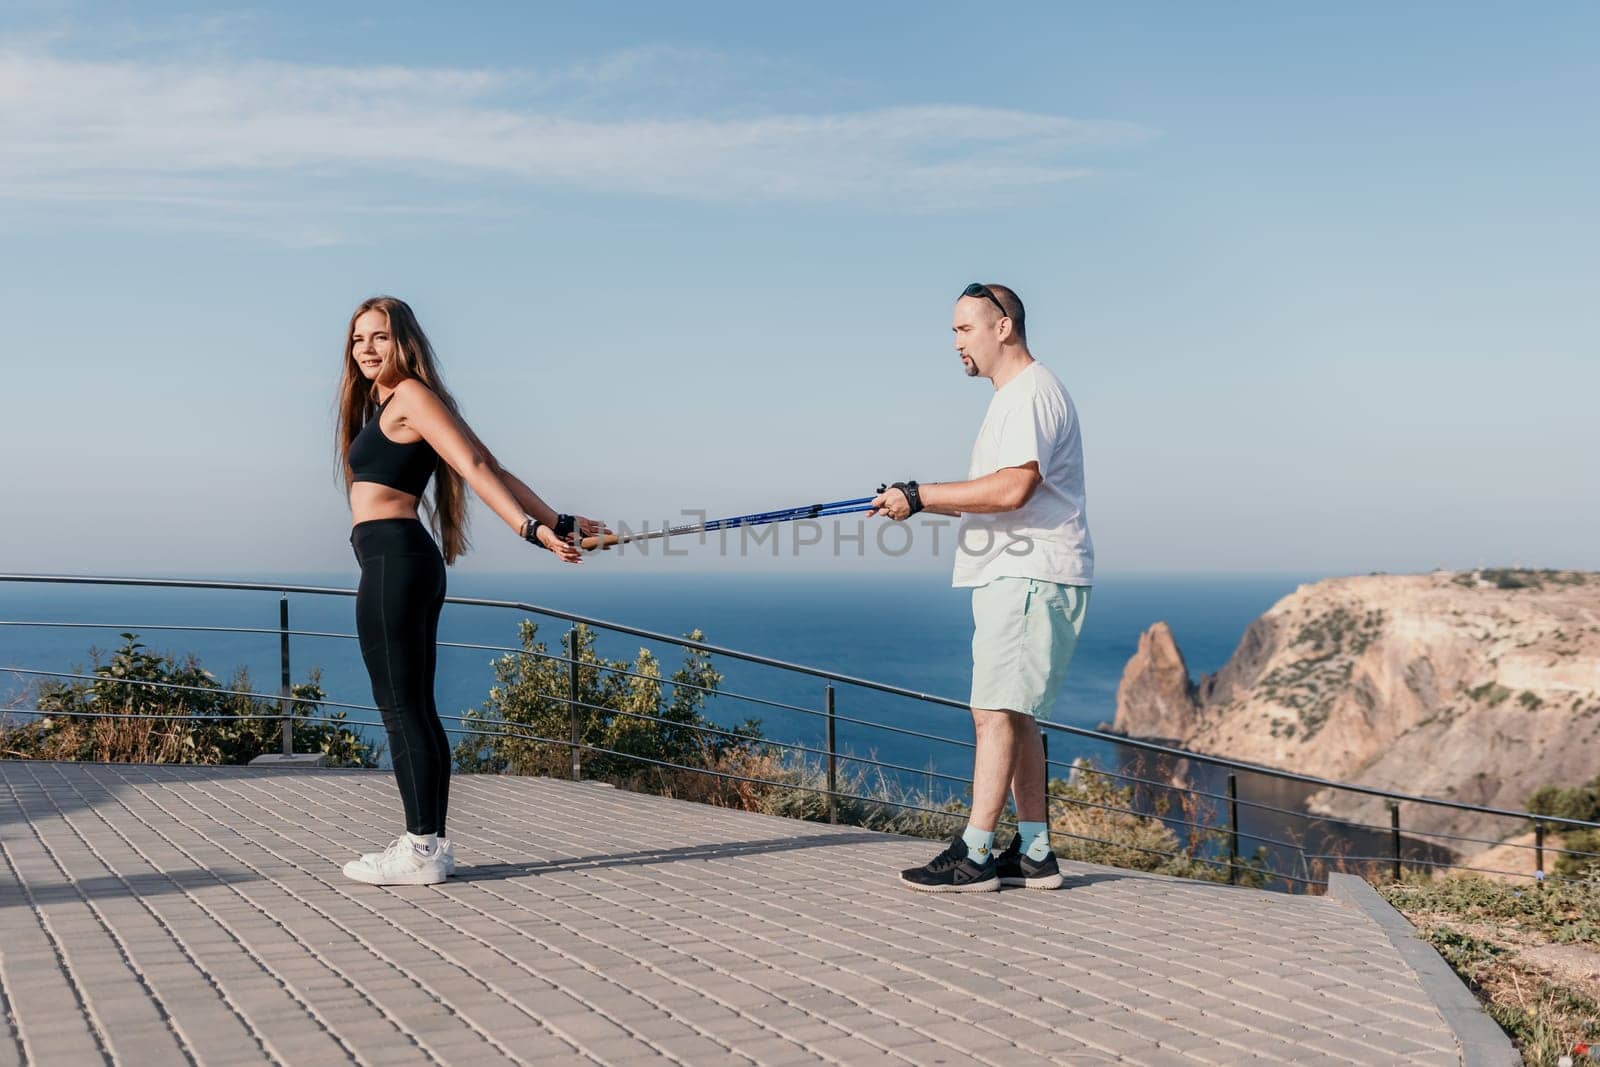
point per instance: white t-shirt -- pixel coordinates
(1030, 419)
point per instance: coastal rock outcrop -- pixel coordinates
(1155, 689)
(1478, 686)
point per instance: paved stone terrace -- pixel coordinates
(164, 915)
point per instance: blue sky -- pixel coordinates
(1322, 284)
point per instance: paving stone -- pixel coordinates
(1160, 1057)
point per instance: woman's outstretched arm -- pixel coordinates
(458, 446)
(531, 501)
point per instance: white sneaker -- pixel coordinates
(446, 849)
(399, 864)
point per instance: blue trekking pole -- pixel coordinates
(760, 518)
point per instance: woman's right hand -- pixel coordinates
(565, 551)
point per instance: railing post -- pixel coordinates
(833, 748)
(1044, 746)
(284, 690)
(1538, 849)
(1233, 828)
(572, 704)
(1394, 834)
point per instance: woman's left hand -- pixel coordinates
(565, 551)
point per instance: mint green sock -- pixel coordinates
(1035, 839)
(979, 843)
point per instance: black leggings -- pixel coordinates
(397, 619)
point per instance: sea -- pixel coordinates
(908, 629)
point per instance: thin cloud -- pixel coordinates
(99, 128)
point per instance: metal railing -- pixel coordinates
(1231, 833)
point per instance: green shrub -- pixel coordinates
(145, 723)
(1491, 693)
(641, 720)
(1581, 802)
(1519, 578)
(1507, 578)
(1579, 866)
(1578, 802)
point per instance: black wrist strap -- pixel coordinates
(913, 495)
(564, 525)
(530, 531)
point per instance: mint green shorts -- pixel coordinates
(1024, 632)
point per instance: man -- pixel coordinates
(1024, 551)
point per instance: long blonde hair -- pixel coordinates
(411, 357)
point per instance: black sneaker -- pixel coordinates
(1015, 868)
(952, 872)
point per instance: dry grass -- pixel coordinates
(108, 740)
(722, 792)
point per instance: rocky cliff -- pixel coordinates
(1478, 686)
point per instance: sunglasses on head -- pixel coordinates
(979, 289)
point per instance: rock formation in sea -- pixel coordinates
(1477, 686)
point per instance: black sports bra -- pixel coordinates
(375, 458)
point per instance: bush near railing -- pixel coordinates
(1579, 802)
(638, 714)
(115, 720)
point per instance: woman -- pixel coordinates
(399, 428)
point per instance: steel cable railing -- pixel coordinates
(215, 691)
(831, 753)
(552, 657)
(1080, 768)
(728, 694)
